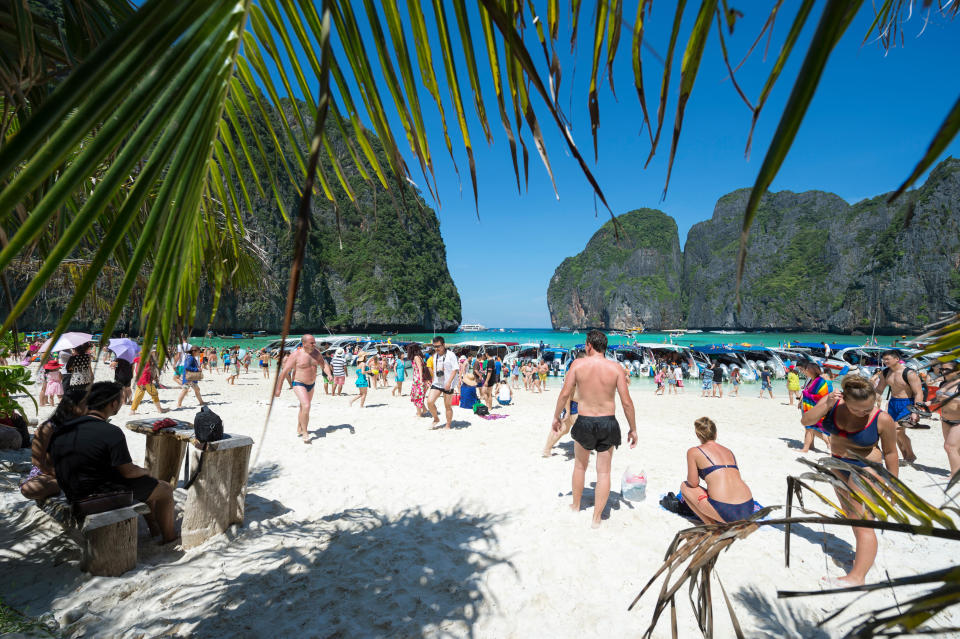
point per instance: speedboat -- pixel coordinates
(471, 328)
(556, 358)
(729, 357)
(528, 352)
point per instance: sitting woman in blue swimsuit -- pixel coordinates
(726, 497)
(855, 426)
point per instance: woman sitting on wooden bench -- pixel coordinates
(89, 454)
(41, 483)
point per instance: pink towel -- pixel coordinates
(497, 416)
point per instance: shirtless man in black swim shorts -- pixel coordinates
(595, 380)
(304, 364)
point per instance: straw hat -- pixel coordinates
(470, 379)
(339, 351)
(52, 365)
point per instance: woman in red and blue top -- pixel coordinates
(856, 427)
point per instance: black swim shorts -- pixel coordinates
(142, 487)
(596, 433)
(442, 390)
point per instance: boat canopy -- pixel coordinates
(834, 347)
(660, 345)
(718, 349)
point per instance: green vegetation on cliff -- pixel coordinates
(627, 274)
(814, 263)
(377, 262)
(817, 263)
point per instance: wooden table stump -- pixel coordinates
(216, 499)
(165, 449)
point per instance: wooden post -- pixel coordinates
(110, 542)
(216, 499)
(164, 456)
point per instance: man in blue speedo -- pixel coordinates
(905, 391)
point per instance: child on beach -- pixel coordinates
(53, 389)
(399, 375)
(362, 382)
(793, 385)
(735, 380)
(658, 380)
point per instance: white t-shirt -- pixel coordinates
(504, 394)
(678, 373)
(445, 369)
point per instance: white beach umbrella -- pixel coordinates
(70, 340)
(124, 348)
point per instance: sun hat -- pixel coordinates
(339, 351)
(470, 379)
(463, 358)
(52, 365)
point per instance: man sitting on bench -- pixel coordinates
(90, 456)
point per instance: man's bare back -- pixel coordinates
(597, 379)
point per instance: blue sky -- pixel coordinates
(870, 122)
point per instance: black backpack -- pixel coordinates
(207, 427)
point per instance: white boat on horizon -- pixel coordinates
(471, 328)
(728, 332)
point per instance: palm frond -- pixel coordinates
(134, 120)
(693, 553)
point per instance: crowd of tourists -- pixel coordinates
(77, 451)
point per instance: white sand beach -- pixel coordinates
(384, 527)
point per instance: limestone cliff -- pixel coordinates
(379, 263)
(815, 263)
(621, 282)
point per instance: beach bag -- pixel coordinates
(207, 427)
(194, 376)
(633, 484)
(456, 399)
(480, 409)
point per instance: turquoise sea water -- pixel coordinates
(557, 338)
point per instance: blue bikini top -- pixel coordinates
(868, 436)
(703, 472)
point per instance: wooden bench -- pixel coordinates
(216, 500)
(108, 540)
